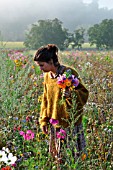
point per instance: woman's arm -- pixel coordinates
(43, 120)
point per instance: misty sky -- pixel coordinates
(17, 15)
(13, 8)
(103, 3)
(6, 4)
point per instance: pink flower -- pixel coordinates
(15, 128)
(14, 165)
(53, 121)
(28, 135)
(61, 134)
(28, 118)
(22, 133)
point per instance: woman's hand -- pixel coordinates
(45, 129)
(66, 93)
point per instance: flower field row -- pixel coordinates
(22, 144)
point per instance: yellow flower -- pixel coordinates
(41, 136)
(68, 83)
(40, 99)
(72, 87)
(62, 141)
(110, 73)
(12, 81)
(38, 153)
(21, 154)
(109, 84)
(32, 67)
(35, 83)
(18, 62)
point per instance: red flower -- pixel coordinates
(15, 128)
(28, 118)
(19, 127)
(6, 168)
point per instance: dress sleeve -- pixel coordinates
(43, 120)
(81, 93)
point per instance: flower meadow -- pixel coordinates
(22, 144)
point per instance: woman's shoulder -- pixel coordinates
(46, 75)
(71, 69)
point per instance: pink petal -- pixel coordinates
(21, 133)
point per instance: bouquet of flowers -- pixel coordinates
(67, 81)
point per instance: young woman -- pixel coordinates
(52, 110)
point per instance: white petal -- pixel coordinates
(5, 159)
(7, 150)
(3, 148)
(10, 156)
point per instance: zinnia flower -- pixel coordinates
(6, 168)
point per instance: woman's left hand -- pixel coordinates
(66, 93)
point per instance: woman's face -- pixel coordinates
(44, 66)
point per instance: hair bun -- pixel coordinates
(52, 47)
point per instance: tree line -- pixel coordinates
(52, 31)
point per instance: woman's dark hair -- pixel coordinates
(46, 53)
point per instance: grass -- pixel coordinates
(87, 45)
(20, 45)
(12, 45)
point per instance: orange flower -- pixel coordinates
(83, 157)
(63, 86)
(67, 82)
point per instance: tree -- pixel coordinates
(94, 35)
(102, 34)
(45, 32)
(79, 37)
(76, 39)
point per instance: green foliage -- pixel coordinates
(46, 32)
(102, 34)
(75, 39)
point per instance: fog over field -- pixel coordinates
(17, 15)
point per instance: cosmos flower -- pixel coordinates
(53, 121)
(28, 135)
(61, 134)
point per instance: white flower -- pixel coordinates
(5, 149)
(7, 157)
(11, 159)
(2, 156)
(88, 64)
